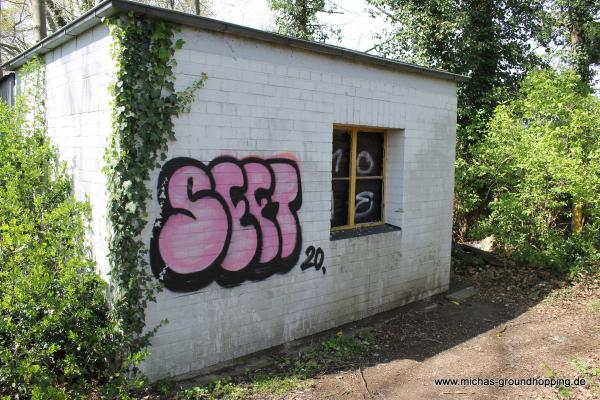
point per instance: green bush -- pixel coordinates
(56, 337)
(539, 162)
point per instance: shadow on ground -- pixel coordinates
(502, 331)
(416, 331)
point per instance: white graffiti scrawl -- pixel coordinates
(364, 204)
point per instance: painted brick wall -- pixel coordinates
(79, 120)
(262, 100)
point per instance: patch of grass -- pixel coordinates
(590, 371)
(279, 385)
(548, 371)
(290, 373)
(594, 308)
(558, 294)
(345, 346)
(218, 389)
(563, 391)
(251, 383)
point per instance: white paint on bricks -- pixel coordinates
(264, 100)
(79, 122)
(298, 98)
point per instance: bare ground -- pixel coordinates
(522, 323)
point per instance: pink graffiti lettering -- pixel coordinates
(243, 245)
(229, 221)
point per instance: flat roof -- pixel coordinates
(111, 7)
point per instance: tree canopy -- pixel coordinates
(298, 18)
(16, 23)
(578, 29)
(488, 40)
(540, 162)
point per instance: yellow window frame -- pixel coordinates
(354, 131)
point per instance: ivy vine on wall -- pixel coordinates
(144, 105)
(32, 87)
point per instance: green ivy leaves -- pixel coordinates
(144, 105)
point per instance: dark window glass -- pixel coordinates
(339, 208)
(369, 154)
(368, 201)
(340, 161)
(366, 182)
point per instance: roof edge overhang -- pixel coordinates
(108, 8)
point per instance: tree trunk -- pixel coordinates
(579, 14)
(55, 15)
(197, 4)
(38, 11)
(579, 54)
(577, 224)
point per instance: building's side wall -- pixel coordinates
(261, 100)
(78, 74)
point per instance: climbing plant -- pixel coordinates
(145, 104)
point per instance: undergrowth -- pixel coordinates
(291, 373)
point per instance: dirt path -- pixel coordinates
(515, 332)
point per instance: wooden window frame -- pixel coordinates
(354, 130)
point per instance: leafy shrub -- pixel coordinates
(541, 162)
(56, 337)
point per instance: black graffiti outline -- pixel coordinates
(313, 254)
(254, 270)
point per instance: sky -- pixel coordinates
(357, 27)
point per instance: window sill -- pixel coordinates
(366, 231)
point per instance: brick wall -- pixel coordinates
(262, 100)
(79, 121)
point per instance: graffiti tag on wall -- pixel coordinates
(229, 221)
(314, 258)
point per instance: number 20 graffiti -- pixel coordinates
(229, 221)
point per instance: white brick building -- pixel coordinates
(352, 157)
